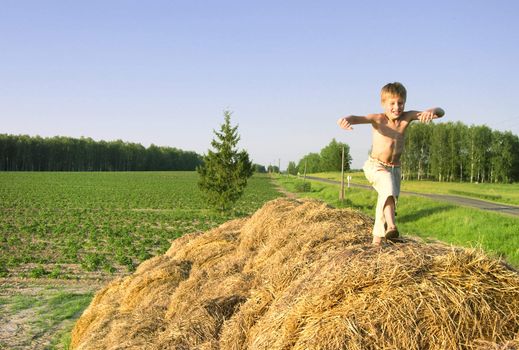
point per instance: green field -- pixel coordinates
(63, 224)
(499, 193)
(431, 220)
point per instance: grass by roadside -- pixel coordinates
(428, 219)
(498, 193)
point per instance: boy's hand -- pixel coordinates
(426, 116)
(344, 123)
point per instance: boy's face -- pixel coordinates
(393, 106)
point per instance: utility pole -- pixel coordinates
(304, 176)
(341, 194)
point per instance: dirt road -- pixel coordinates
(463, 201)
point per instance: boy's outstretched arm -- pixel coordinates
(347, 122)
(429, 114)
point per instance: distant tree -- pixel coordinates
(503, 152)
(292, 168)
(415, 159)
(258, 168)
(312, 161)
(273, 169)
(225, 171)
(480, 138)
(331, 156)
(439, 157)
(514, 171)
(458, 150)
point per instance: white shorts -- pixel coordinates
(385, 179)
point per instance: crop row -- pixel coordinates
(105, 222)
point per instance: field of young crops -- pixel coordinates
(62, 225)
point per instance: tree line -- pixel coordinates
(457, 152)
(328, 159)
(26, 153)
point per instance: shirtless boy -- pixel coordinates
(382, 169)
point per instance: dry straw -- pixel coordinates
(302, 275)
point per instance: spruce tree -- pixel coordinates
(225, 170)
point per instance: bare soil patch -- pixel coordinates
(20, 317)
(283, 191)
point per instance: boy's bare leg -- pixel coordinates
(389, 212)
(389, 215)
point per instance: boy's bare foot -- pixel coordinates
(378, 240)
(392, 233)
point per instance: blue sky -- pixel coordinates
(163, 72)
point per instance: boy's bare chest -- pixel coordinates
(390, 132)
(388, 143)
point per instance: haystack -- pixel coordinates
(301, 275)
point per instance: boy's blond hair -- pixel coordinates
(395, 89)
